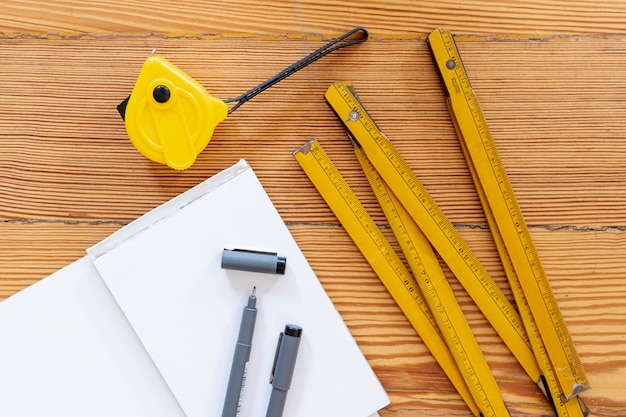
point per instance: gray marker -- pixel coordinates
(241, 357)
(282, 372)
(253, 261)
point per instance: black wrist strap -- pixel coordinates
(338, 43)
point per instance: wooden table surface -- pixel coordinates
(551, 78)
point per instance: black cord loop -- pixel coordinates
(332, 46)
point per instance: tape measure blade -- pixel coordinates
(438, 229)
(482, 152)
(381, 257)
(439, 296)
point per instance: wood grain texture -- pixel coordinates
(550, 78)
(530, 17)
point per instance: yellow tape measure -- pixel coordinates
(170, 118)
(434, 224)
(382, 258)
(439, 296)
(499, 197)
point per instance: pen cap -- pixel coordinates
(293, 330)
(253, 261)
(286, 357)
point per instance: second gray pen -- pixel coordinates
(282, 372)
(241, 357)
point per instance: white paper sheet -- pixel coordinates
(164, 271)
(68, 351)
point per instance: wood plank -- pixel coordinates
(30, 251)
(573, 259)
(533, 17)
(559, 132)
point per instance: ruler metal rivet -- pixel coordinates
(450, 64)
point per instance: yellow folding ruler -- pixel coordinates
(438, 294)
(440, 232)
(549, 335)
(382, 258)
(442, 235)
(434, 224)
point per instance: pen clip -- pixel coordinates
(280, 339)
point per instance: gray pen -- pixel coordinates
(282, 372)
(241, 357)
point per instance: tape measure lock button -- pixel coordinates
(170, 117)
(161, 94)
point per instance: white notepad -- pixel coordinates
(164, 272)
(158, 338)
(67, 350)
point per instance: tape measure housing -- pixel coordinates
(170, 117)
